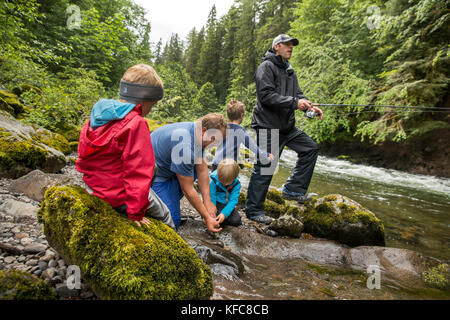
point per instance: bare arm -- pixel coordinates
(203, 184)
(187, 186)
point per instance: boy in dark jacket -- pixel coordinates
(278, 97)
(115, 152)
(225, 189)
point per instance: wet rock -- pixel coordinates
(287, 226)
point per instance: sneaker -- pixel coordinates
(290, 195)
(262, 219)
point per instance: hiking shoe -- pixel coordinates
(296, 196)
(262, 219)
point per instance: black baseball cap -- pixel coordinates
(284, 38)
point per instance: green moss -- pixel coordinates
(73, 146)
(273, 209)
(53, 140)
(242, 198)
(20, 153)
(18, 285)
(275, 196)
(20, 89)
(336, 218)
(10, 103)
(117, 258)
(437, 277)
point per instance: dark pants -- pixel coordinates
(307, 151)
(234, 219)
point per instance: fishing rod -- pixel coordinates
(312, 114)
(377, 106)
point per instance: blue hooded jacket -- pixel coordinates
(228, 195)
(106, 110)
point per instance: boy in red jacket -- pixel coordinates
(115, 152)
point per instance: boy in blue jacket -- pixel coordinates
(225, 189)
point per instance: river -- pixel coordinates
(415, 209)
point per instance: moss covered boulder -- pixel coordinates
(19, 285)
(24, 148)
(337, 217)
(117, 258)
(10, 103)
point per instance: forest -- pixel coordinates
(393, 52)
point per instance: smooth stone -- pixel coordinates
(52, 263)
(35, 248)
(10, 259)
(26, 241)
(31, 262)
(42, 265)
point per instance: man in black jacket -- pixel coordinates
(278, 97)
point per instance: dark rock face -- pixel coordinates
(287, 226)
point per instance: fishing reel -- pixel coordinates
(311, 114)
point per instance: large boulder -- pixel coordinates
(118, 259)
(337, 217)
(24, 148)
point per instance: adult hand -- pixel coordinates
(211, 208)
(304, 104)
(317, 110)
(143, 221)
(212, 225)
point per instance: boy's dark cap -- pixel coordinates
(284, 38)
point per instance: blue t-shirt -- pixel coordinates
(175, 150)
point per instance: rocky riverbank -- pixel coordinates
(247, 262)
(24, 247)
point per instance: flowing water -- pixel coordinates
(415, 209)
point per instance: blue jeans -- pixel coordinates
(170, 193)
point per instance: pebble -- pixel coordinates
(48, 274)
(21, 235)
(35, 248)
(31, 262)
(42, 265)
(26, 241)
(10, 259)
(52, 263)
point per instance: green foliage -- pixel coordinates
(18, 285)
(117, 258)
(63, 107)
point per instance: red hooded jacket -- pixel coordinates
(117, 161)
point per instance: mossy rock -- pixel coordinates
(19, 285)
(273, 209)
(275, 196)
(337, 217)
(10, 103)
(118, 259)
(24, 148)
(287, 225)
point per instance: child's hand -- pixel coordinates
(144, 221)
(220, 218)
(271, 157)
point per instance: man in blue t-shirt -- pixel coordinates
(178, 150)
